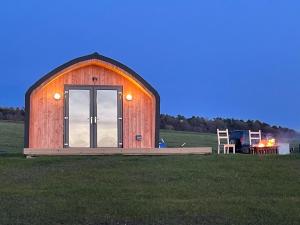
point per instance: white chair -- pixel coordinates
(223, 140)
(254, 137)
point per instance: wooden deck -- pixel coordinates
(116, 151)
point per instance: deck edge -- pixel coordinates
(115, 151)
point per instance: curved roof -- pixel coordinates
(81, 59)
(89, 57)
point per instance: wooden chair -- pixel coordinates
(223, 140)
(254, 138)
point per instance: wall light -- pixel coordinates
(129, 97)
(56, 96)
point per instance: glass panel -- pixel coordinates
(79, 118)
(107, 118)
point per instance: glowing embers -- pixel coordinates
(267, 143)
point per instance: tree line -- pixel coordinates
(181, 123)
(12, 114)
(204, 125)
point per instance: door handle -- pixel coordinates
(91, 120)
(95, 119)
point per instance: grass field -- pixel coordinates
(192, 139)
(234, 189)
(11, 137)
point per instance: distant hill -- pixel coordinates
(12, 114)
(201, 124)
(181, 123)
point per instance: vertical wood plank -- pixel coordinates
(46, 123)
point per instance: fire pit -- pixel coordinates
(265, 147)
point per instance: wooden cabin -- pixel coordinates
(88, 103)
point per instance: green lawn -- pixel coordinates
(192, 139)
(11, 137)
(232, 189)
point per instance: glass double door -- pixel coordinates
(93, 116)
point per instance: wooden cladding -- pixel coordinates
(46, 114)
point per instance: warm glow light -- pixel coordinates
(261, 145)
(129, 97)
(267, 143)
(56, 96)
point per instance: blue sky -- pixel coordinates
(237, 59)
